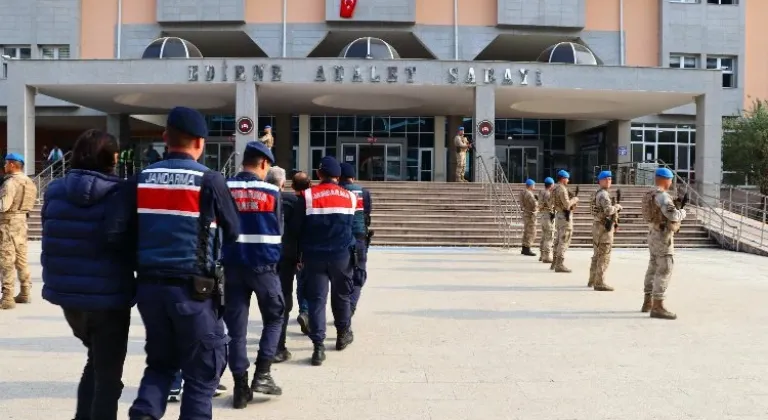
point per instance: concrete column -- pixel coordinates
(440, 169)
(21, 123)
(619, 135)
(246, 105)
(283, 145)
(304, 163)
(119, 125)
(485, 146)
(454, 122)
(709, 144)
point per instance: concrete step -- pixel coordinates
(499, 244)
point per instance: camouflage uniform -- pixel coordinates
(602, 239)
(530, 209)
(267, 139)
(564, 228)
(663, 219)
(462, 145)
(546, 218)
(17, 198)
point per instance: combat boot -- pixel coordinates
(7, 301)
(647, 303)
(24, 295)
(602, 287)
(262, 379)
(242, 392)
(546, 259)
(560, 267)
(527, 251)
(318, 356)
(303, 321)
(591, 282)
(541, 257)
(658, 311)
(281, 356)
(554, 263)
(344, 339)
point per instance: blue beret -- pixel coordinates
(347, 170)
(603, 175)
(529, 182)
(563, 174)
(664, 173)
(461, 128)
(14, 156)
(261, 149)
(267, 126)
(330, 166)
(188, 121)
(549, 180)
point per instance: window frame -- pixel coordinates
(720, 3)
(17, 49)
(682, 58)
(56, 50)
(685, 1)
(731, 71)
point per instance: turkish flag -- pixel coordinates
(347, 8)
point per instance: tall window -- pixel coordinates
(20, 52)
(684, 1)
(727, 66)
(683, 61)
(54, 52)
(729, 2)
(673, 144)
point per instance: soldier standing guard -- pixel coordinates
(664, 220)
(462, 146)
(563, 221)
(267, 138)
(602, 239)
(17, 198)
(547, 220)
(530, 208)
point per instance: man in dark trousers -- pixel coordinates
(289, 261)
(323, 219)
(181, 205)
(360, 226)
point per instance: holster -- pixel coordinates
(608, 223)
(354, 257)
(368, 237)
(551, 216)
(567, 214)
(202, 288)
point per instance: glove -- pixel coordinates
(618, 207)
(683, 214)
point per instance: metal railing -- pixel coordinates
(53, 171)
(750, 221)
(631, 173)
(229, 169)
(502, 201)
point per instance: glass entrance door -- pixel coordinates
(217, 154)
(374, 162)
(519, 163)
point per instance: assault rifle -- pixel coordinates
(679, 204)
(613, 221)
(570, 209)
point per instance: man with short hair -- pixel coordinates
(564, 204)
(530, 207)
(250, 266)
(17, 198)
(547, 221)
(603, 211)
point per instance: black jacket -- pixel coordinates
(290, 239)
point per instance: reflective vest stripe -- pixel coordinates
(252, 184)
(259, 239)
(329, 200)
(169, 199)
(172, 171)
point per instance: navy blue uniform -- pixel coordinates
(288, 260)
(359, 231)
(323, 217)
(251, 268)
(180, 202)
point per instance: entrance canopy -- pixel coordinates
(394, 87)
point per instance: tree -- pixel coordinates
(745, 144)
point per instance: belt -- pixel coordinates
(178, 282)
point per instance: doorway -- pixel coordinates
(374, 162)
(217, 154)
(519, 162)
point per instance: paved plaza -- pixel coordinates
(474, 334)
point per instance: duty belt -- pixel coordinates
(172, 281)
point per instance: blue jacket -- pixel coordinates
(180, 204)
(261, 222)
(358, 224)
(88, 243)
(323, 219)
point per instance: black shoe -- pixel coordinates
(264, 384)
(243, 393)
(221, 389)
(281, 356)
(318, 356)
(527, 251)
(303, 320)
(344, 339)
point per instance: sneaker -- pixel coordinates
(175, 395)
(221, 389)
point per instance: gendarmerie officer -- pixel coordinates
(250, 266)
(323, 219)
(179, 202)
(360, 226)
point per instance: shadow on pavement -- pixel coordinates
(18, 390)
(483, 315)
(474, 269)
(477, 288)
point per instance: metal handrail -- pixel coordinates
(501, 199)
(229, 169)
(53, 171)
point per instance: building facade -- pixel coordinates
(457, 63)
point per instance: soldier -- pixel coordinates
(267, 138)
(462, 146)
(563, 204)
(530, 208)
(17, 198)
(547, 220)
(602, 239)
(664, 220)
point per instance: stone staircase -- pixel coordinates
(461, 214)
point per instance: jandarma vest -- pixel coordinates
(358, 224)
(168, 201)
(259, 242)
(327, 230)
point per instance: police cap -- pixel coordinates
(562, 173)
(548, 180)
(664, 173)
(330, 166)
(14, 157)
(347, 170)
(529, 182)
(260, 149)
(603, 175)
(188, 121)
(461, 128)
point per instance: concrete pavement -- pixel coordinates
(475, 334)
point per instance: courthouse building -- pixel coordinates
(385, 84)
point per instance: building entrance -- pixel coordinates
(519, 162)
(217, 153)
(374, 161)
